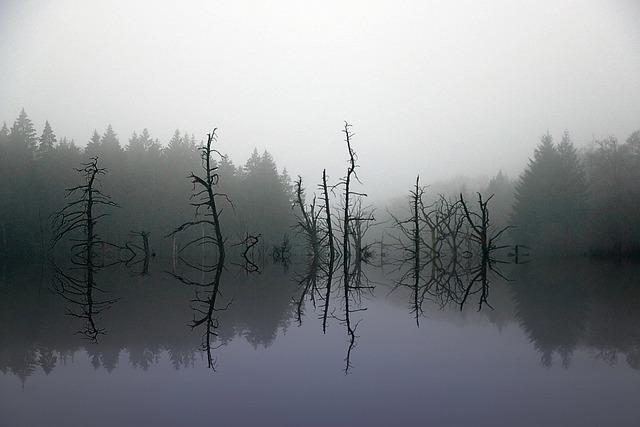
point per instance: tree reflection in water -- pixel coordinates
(562, 308)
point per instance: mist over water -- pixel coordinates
(443, 89)
(361, 213)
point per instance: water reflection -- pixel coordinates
(562, 308)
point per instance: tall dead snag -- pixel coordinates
(332, 251)
(410, 244)
(308, 220)
(350, 216)
(416, 196)
(308, 224)
(205, 197)
(76, 222)
(346, 251)
(486, 241)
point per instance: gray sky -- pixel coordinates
(440, 88)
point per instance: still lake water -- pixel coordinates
(561, 347)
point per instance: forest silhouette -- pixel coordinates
(567, 201)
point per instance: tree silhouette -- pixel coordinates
(550, 200)
(48, 139)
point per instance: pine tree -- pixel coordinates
(110, 141)
(4, 141)
(47, 140)
(633, 142)
(19, 189)
(174, 142)
(146, 142)
(286, 183)
(535, 197)
(134, 144)
(573, 195)
(4, 136)
(267, 198)
(68, 147)
(22, 138)
(251, 165)
(551, 200)
(93, 146)
(614, 173)
(501, 187)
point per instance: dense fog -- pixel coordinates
(443, 89)
(565, 202)
(331, 213)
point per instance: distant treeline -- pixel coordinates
(568, 202)
(146, 179)
(564, 203)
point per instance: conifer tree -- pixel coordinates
(573, 198)
(134, 143)
(93, 146)
(47, 140)
(4, 138)
(109, 140)
(22, 138)
(551, 200)
(501, 187)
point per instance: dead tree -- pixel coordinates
(308, 220)
(444, 220)
(454, 218)
(332, 251)
(205, 197)
(204, 313)
(348, 219)
(79, 215)
(486, 241)
(440, 238)
(76, 221)
(205, 305)
(410, 244)
(346, 251)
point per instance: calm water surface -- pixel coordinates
(560, 347)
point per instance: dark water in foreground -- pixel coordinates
(561, 347)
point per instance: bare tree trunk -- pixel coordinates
(345, 238)
(332, 251)
(416, 250)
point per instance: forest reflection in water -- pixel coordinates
(562, 308)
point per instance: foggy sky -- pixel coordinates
(432, 87)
